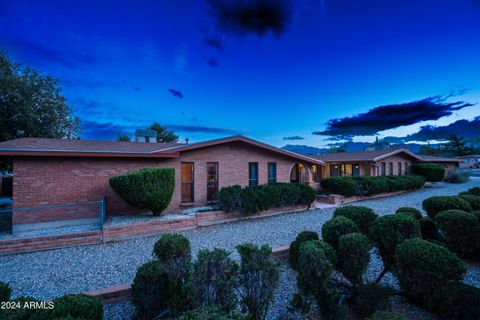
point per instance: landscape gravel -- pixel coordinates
(48, 274)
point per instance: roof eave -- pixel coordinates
(27, 153)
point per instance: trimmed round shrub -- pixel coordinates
(389, 231)
(214, 279)
(294, 249)
(458, 301)
(314, 269)
(336, 227)
(436, 204)
(206, 313)
(385, 315)
(473, 200)
(151, 290)
(461, 230)
(415, 213)
(433, 172)
(362, 216)
(150, 189)
(475, 191)
(259, 276)
(353, 256)
(428, 228)
(424, 268)
(340, 185)
(78, 306)
(174, 252)
(5, 291)
(365, 299)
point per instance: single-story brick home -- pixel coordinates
(58, 171)
(49, 172)
(377, 163)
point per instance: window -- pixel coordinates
(399, 168)
(355, 169)
(212, 181)
(377, 170)
(346, 170)
(390, 168)
(187, 182)
(406, 167)
(316, 173)
(252, 174)
(384, 168)
(334, 170)
(272, 172)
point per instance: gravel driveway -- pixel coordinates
(52, 273)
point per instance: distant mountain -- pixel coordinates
(351, 147)
(299, 148)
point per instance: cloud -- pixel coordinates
(103, 130)
(293, 138)
(391, 116)
(201, 129)
(257, 17)
(216, 42)
(176, 93)
(463, 128)
(212, 62)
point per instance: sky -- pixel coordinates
(281, 71)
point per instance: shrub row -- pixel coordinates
(433, 172)
(249, 200)
(360, 186)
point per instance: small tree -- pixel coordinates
(433, 172)
(147, 188)
(333, 229)
(164, 135)
(123, 137)
(174, 252)
(294, 249)
(362, 216)
(259, 275)
(353, 256)
(214, 279)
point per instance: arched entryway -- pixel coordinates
(299, 173)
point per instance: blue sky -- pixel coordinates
(306, 63)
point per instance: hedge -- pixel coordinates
(147, 188)
(462, 232)
(250, 200)
(362, 216)
(436, 204)
(361, 186)
(424, 269)
(433, 172)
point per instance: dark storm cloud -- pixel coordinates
(212, 62)
(176, 93)
(391, 116)
(201, 129)
(103, 130)
(252, 16)
(293, 138)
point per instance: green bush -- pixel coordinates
(436, 204)
(385, 315)
(6, 291)
(78, 306)
(415, 213)
(475, 191)
(389, 231)
(336, 227)
(340, 185)
(476, 214)
(361, 186)
(353, 256)
(259, 276)
(294, 249)
(207, 313)
(151, 290)
(462, 232)
(250, 200)
(433, 172)
(428, 229)
(214, 279)
(473, 200)
(362, 216)
(458, 177)
(458, 301)
(423, 269)
(365, 299)
(7, 186)
(147, 188)
(174, 252)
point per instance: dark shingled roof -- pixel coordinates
(373, 155)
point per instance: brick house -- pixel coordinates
(57, 171)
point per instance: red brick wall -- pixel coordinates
(49, 181)
(395, 159)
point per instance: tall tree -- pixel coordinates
(31, 104)
(456, 146)
(163, 133)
